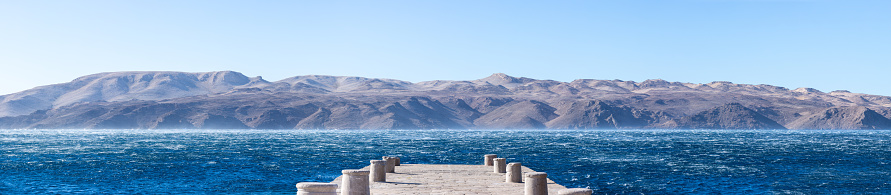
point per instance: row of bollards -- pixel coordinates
(354, 182)
(536, 182)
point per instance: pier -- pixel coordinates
(490, 177)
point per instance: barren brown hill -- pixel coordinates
(229, 99)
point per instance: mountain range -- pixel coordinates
(231, 100)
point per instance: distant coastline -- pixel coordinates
(231, 100)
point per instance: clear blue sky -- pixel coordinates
(823, 44)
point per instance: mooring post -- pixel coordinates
(316, 188)
(391, 164)
(499, 165)
(355, 182)
(575, 191)
(536, 183)
(398, 162)
(514, 173)
(488, 159)
(378, 171)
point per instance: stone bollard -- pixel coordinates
(488, 160)
(536, 183)
(378, 171)
(514, 173)
(355, 182)
(391, 164)
(316, 188)
(575, 191)
(499, 166)
(398, 162)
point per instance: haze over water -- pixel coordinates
(607, 161)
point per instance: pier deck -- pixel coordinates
(448, 179)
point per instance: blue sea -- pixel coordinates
(607, 161)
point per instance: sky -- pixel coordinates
(823, 44)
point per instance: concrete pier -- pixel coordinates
(355, 182)
(316, 188)
(451, 179)
(487, 159)
(378, 171)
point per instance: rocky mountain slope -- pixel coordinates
(729, 116)
(226, 99)
(842, 118)
(122, 86)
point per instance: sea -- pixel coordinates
(129, 161)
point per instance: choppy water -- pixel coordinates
(611, 162)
